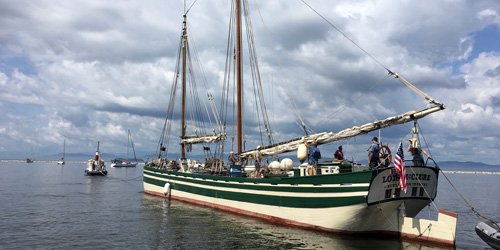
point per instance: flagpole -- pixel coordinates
(380, 136)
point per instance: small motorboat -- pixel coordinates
(119, 163)
(489, 234)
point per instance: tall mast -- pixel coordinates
(183, 112)
(128, 142)
(239, 77)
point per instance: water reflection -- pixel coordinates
(182, 225)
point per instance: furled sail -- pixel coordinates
(327, 137)
(203, 139)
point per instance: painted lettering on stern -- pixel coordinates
(391, 181)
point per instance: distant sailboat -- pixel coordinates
(119, 163)
(61, 161)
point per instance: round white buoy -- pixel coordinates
(166, 189)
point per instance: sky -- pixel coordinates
(87, 71)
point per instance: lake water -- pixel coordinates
(49, 206)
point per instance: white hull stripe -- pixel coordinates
(265, 192)
(252, 183)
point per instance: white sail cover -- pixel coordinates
(203, 139)
(327, 137)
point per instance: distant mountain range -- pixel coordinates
(468, 165)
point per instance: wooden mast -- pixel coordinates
(239, 77)
(183, 111)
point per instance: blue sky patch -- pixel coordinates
(22, 64)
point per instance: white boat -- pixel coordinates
(116, 163)
(489, 234)
(96, 166)
(61, 161)
(345, 198)
(119, 163)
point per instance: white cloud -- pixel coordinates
(90, 70)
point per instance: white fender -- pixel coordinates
(302, 153)
(275, 165)
(166, 189)
(286, 164)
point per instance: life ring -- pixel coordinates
(385, 156)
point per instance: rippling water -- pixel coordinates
(49, 206)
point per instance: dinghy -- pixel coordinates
(489, 234)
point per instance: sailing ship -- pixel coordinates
(344, 198)
(96, 166)
(119, 163)
(61, 161)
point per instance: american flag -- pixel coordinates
(399, 165)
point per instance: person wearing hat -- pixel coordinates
(339, 155)
(231, 159)
(416, 152)
(258, 158)
(373, 154)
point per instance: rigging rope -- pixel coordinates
(256, 74)
(197, 116)
(412, 87)
(342, 33)
(303, 125)
(204, 81)
(471, 207)
(189, 6)
(167, 127)
(341, 109)
(404, 81)
(229, 66)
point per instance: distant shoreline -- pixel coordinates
(45, 161)
(468, 172)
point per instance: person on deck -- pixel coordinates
(258, 159)
(416, 152)
(339, 155)
(231, 159)
(313, 156)
(373, 154)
